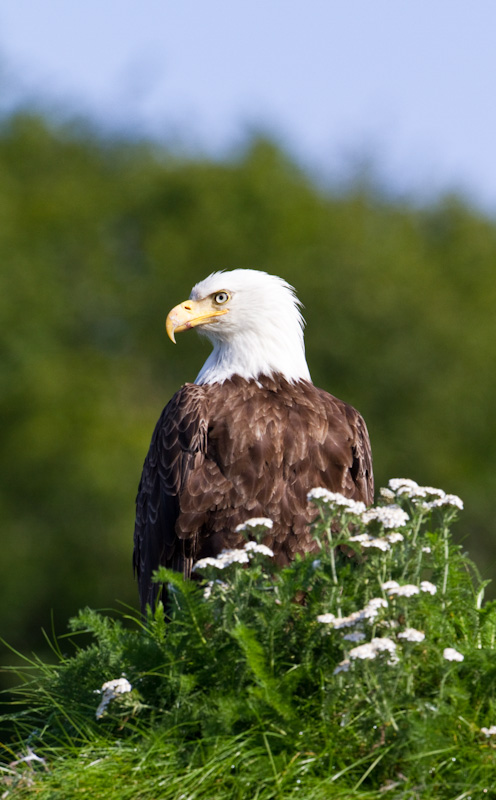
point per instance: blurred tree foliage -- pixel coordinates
(99, 238)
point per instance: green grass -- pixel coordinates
(246, 693)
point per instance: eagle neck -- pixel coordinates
(249, 358)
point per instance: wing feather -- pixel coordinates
(177, 447)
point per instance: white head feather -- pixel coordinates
(261, 335)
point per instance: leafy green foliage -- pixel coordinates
(367, 666)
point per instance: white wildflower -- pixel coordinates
(328, 619)
(363, 651)
(378, 543)
(336, 499)
(235, 556)
(207, 562)
(255, 522)
(224, 559)
(316, 563)
(389, 516)
(450, 654)
(395, 537)
(453, 500)
(370, 612)
(441, 502)
(407, 590)
(387, 494)
(489, 731)
(227, 557)
(427, 586)
(371, 649)
(404, 487)
(343, 666)
(377, 602)
(110, 690)
(426, 549)
(356, 636)
(390, 585)
(371, 541)
(254, 547)
(402, 483)
(412, 635)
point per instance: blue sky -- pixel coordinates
(410, 83)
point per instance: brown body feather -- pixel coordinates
(223, 453)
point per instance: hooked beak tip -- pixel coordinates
(169, 327)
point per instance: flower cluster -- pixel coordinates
(368, 613)
(435, 498)
(412, 635)
(450, 654)
(335, 499)
(254, 523)
(391, 516)
(236, 556)
(388, 516)
(369, 650)
(379, 542)
(394, 589)
(110, 690)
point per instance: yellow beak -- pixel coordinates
(190, 314)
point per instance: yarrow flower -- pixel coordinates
(370, 612)
(335, 499)
(389, 585)
(427, 586)
(223, 560)
(371, 541)
(441, 502)
(393, 589)
(373, 648)
(489, 731)
(405, 487)
(389, 516)
(412, 635)
(255, 522)
(450, 654)
(228, 557)
(110, 690)
(254, 547)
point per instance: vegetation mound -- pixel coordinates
(365, 668)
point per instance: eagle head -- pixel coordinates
(254, 322)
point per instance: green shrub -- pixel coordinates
(367, 667)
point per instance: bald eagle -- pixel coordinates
(249, 438)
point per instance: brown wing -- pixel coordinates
(356, 479)
(177, 448)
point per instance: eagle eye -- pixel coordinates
(221, 298)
